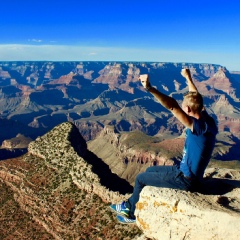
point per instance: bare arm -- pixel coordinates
(186, 74)
(167, 102)
(192, 88)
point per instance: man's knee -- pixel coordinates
(140, 177)
(154, 169)
(151, 169)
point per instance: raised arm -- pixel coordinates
(186, 74)
(167, 102)
(192, 88)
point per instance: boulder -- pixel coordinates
(213, 213)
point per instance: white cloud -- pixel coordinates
(35, 40)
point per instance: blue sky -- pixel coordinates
(159, 30)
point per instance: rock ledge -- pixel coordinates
(174, 214)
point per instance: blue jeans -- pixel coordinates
(157, 176)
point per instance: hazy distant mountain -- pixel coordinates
(36, 96)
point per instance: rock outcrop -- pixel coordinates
(221, 81)
(214, 213)
(63, 189)
(20, 141)
(65, 149)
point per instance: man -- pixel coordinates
(200, 140)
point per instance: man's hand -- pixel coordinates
(186, 73)
(144, 79)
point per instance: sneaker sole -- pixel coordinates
(119, 213)
(125, 222)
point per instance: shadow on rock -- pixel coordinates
(11, 153)
(108, 179)
(217, 186)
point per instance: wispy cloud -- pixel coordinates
(35, 40)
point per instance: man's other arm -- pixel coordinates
(168, 102)
(191, 86)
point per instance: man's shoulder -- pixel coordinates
(204, 125)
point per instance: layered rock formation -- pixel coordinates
(20, 141)
(128, 154)
(37, 96)
(174, 214)
(14, 147)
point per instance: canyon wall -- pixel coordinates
(37, 96)
(128, 154)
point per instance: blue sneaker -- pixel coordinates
(125, 220)
(120, 209)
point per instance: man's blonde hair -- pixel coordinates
(194, 100)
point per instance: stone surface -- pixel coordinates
(174, 214)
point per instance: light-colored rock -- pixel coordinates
(62, 149)
(20, 141)
(174, 214)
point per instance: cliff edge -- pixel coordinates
(174, 214)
